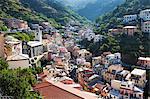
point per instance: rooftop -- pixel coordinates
(130, 15)
(34, 43)
(147, 22)
(50, 91)
(145, 10)
(139, 72)
(76, 92)
(144, 58)
(130, 27)
(17, 57)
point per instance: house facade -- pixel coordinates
(144, 62)
(18, 61)
(138, 76)
(146, 27)
(110, 73)
(129, 18)
(130, 30)
(145, 15)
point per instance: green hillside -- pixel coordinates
(109, 20)
(53, 9)
(37, 11)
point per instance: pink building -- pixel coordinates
(144, 61)
(130, 30)
(17, 24)
(146, 26)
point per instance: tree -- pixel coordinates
(17, 83)
(104, 48)
(130, 48)
(3, 64)
(3, 28)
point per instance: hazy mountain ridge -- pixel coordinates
(91, 9)
(100, 7)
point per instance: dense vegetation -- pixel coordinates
(131, 47)
(17, 83)
(23, 36)
(110, 20)
(38, 10)
(108, 44)
(14, 9)
(53, 9)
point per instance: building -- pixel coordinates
(98, 38)
(83, 53)
(145, 15)
(2, 45)
(129, 18)
(144, 62)
(115, 32)
(35, 48)
(146, 27)
(35, 52)
(97, 60)
(18, 61)
(89, 35)
(130, 30)
(110, 73)
(17, 24)
(128, 90)
(122, 75)
(138, 76)
(63, 52)
(49, 91)
(115, 84)
(38, 35)
(14, 45)
(80, 61)
(113, 58)
(57, 90)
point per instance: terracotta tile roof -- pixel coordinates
(50, 91)
(67, 81)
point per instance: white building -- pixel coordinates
(145, 14)
(35, 52)
(146, 27)
(89, 36)
(38, 35)
(138, 76)
(80, 61)
(18, 61)
(35, 48)
(129, 18)
(98, 38)
(115, 84)
(113, 58)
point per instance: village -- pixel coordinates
(68, 68)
